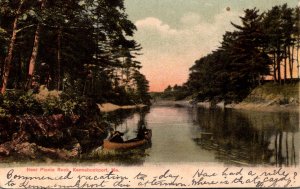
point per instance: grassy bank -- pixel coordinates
(266, 97)
(271, 97)
(109, 107)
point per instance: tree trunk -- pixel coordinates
(285, 63)
(298, 44)
(291, 61)
(278, 69)
(278, 61)
(34, 53)
(8, 58)
(274, 68)
(59, 35)
(33, 57)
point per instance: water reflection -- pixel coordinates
(118, 117)
(246, 137)
(182, 135)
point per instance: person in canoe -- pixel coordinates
(116, 136)
(116, 142)
(142, 132)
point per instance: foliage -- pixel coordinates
(85, 48)
(142, 88)
(256, 49)
(19, 102)
(69, 104)
(174, 93)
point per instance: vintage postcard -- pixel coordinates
(149, 93)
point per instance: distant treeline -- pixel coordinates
(77, 46)
(264, 46)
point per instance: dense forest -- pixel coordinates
(264, 47)
(78, 47)
(59, 60)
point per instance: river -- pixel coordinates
(224, 136)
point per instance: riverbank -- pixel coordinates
(268, 97)
(49, 124)
(266, 107)
(58, 137)
(271, 97)
(179, 103)
(109, 107)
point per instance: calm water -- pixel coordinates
(226, 136)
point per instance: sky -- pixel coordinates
(175, 33)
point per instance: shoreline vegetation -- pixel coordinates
(59, 60)
(249, 106)
(268, 97)
(110, 107)
(256, 66)
(82, 63)
(67, 129)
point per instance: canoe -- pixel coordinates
(130, 144)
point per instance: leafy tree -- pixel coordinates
(278, 28)
(9, 56)
(82, 47)
(230, 72)
(142, 88)
(35, 49)
(248, 49)
(296, 34)
(168, 89)
(246, 56)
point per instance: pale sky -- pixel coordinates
(175, 33)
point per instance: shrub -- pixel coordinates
(19, 102)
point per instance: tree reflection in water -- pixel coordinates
(248, 137)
